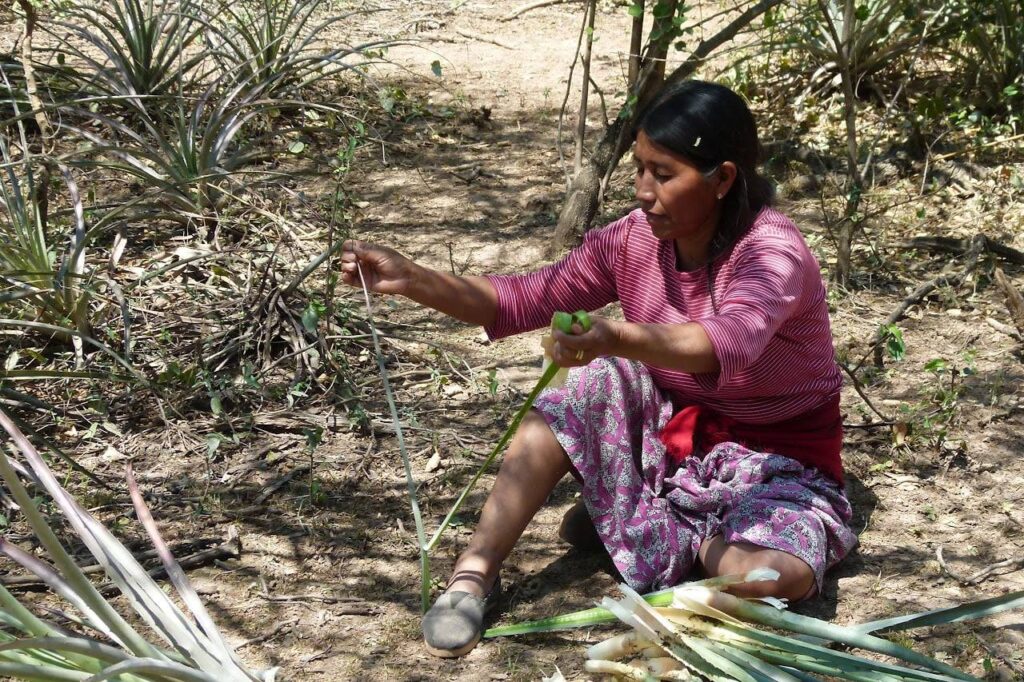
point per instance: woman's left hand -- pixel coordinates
(580, 347)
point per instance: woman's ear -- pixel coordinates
(724, 177)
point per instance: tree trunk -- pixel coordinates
(855, 183)
(27, 61)
(582, 198)
(581, 124)
(636, 43)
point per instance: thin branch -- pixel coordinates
(971, 259)
(565, 102)
(860, 391)
(581, 123)
(532, 6)
(27, 59)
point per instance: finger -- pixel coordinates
(574, 342)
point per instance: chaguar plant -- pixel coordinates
(39, 284)
(988, 48)
(101, 644)
(186, 167)
(278, 43)
(879, 34)
(130, 51)
(698, 631)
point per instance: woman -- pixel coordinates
(705, 428)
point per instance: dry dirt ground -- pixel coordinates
(471, 181)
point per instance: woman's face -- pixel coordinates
(680, 202)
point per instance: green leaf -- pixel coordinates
(636, 10)
(435, 67)
(310, 318)
(894, 342)
(863, 12)
(296, 147)
(936, 366)
(562, 322)
(215, 404)
(212, 443)
(387, 102)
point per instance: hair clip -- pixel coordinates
(696, 143)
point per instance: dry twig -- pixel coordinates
(971, 259)
(978, 576)
(483, 39)
(1014, 300)
(532, 6)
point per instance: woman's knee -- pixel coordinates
(535, 440)
(796, 578)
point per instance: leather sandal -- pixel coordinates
(454, 624)
(578, 530)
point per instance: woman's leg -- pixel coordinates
(773, 512)
(796, 577)
(533, 465)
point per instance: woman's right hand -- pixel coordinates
(384, 270)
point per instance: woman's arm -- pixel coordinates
(385, 271)
(683, 347)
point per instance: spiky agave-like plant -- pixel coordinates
(42, 650)
(133, 51)
(276, 42)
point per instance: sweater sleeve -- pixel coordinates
(584, 279)
(765, 290)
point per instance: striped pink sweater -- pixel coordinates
(768, 322)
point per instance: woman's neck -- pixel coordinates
(691, 253)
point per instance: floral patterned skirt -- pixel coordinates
(652, 516)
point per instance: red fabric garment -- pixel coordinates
(813, 438)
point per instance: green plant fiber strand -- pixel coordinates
(542, 383)
(28, 671)
(599, 614)
(410, 482)
(557, 320)
(837, 660)
(578, 619)
(953, 614)
(767, 615)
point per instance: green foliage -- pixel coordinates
(43, 286)
(881, 34)
(185, 168)
(273, 44)
(892, 336)
(130, 50)
(988, 49)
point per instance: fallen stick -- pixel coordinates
(483, 39)
(1014, 300)
(228, 549)
(268, 635)
(971, 257)
(979, 576)
(350, 606)
(532, 6)
(1004, 328)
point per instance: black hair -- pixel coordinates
(708, 124)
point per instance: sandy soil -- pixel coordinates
(471, 182)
